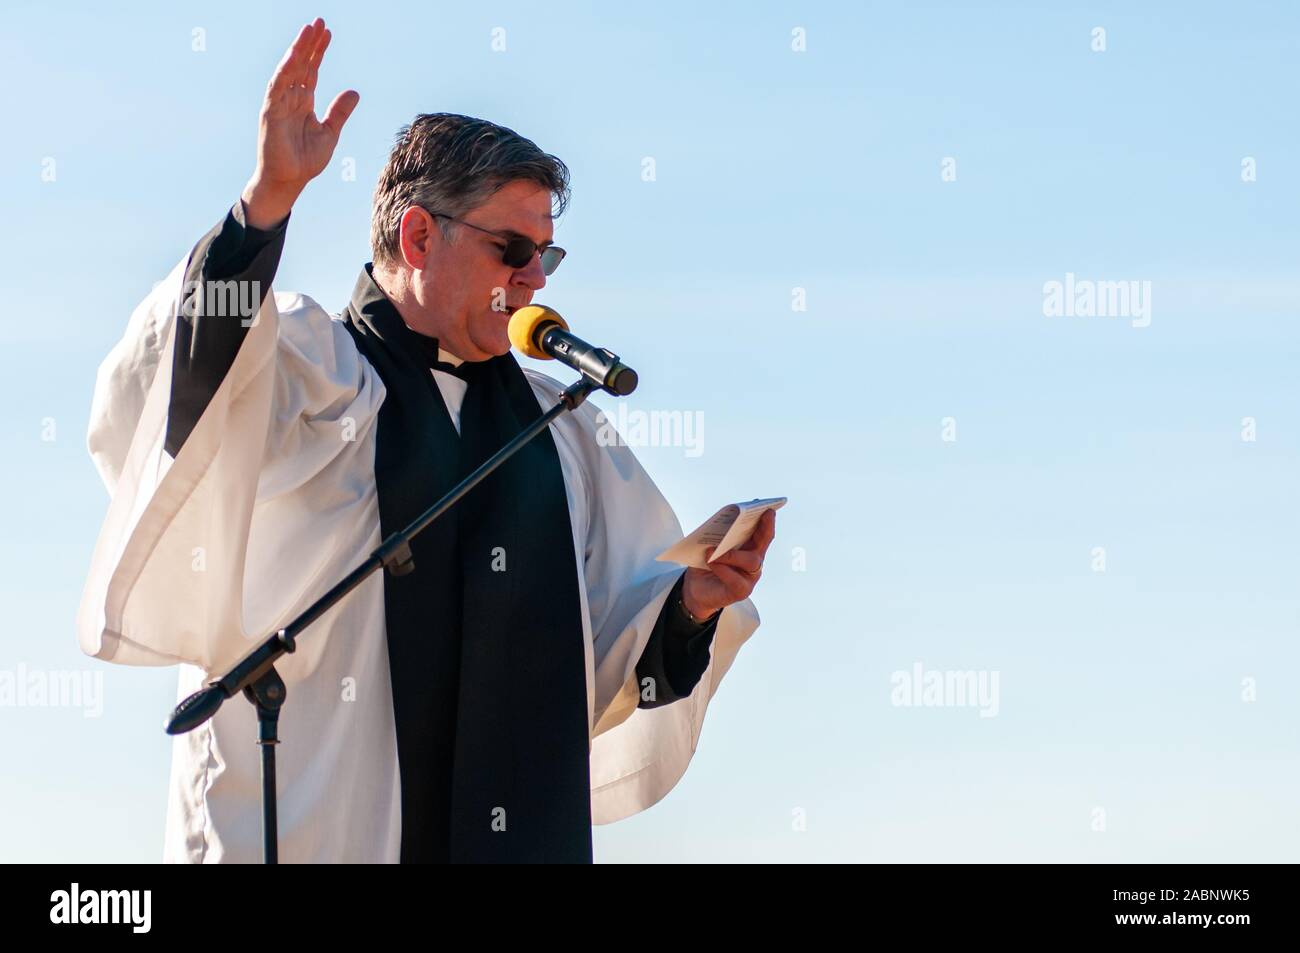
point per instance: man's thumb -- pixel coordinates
(340, 110)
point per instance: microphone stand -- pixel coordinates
(255, 674)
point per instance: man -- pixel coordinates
(538, 670)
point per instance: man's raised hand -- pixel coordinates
(293, 146)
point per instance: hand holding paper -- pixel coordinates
(724, 555)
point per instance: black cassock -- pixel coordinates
(488, 668)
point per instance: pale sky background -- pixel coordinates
(1119, 690)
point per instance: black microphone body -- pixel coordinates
(598, 364)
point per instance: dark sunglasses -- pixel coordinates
(519, 251)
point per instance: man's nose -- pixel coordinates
(531, 275)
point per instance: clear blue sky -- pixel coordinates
(776, 170)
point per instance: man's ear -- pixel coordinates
(416, 234)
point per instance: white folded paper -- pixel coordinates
(726, 529)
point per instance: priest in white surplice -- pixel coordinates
(539, 671)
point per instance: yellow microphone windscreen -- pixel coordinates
(524, 325)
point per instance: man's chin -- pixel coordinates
(498, 341)
(491, 349)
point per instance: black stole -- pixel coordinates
(488, 667)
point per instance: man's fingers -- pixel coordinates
(280, 79)
(313, 65)
(763, 534)
(738, 584)
(766, 532)
(747, 560)
(340, 110)
(292, 67)
(302, 56)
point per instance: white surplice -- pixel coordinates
(270, 501)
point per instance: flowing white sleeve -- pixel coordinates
(638, 754)
(269, 487)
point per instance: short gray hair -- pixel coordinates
(452, 164)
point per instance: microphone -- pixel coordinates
(537, 331)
